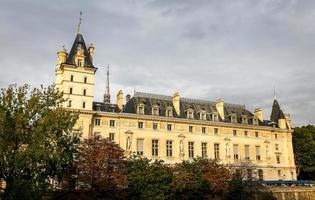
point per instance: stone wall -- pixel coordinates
(294, 193)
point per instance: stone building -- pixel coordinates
(174, 128)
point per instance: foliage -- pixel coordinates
(148, 180)
(100, 169)
(36, 139)
(304, 149)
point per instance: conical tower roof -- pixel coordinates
(276, 112)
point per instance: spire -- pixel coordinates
(276, 112)
(80, 21)
(107, 92)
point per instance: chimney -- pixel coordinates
(120, 102)
(176, 102)
(258, 113)
(91, 51)
(62, 55)
(282, 124)
(128, 97)
(219, 105)
(288, 120)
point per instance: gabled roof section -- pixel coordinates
(79, 41)
(276, 112)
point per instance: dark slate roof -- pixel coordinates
(276, 112)
(163, 101)
(105, 107)
(79, 41)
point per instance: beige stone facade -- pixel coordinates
(173, 128)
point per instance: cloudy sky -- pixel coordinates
(239, 50)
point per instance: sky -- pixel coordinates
(238, 50)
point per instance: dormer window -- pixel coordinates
(233, 118)
(203, 115)
(155, 110)
(244, 119)
(169, 112)
(190, 114)
(255, 121)
(215, 117)
(80, 62)
(140, 109)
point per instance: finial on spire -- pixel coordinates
(274, 93)
(107, 91)
(80, 21)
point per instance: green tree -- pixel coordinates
(37, 140)
(148, 180)
(304, 149)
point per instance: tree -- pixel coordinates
(148, 180)
(99, 170)
(36, 139)
(304, 149)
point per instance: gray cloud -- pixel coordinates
(237, 50)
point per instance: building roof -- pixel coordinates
(79, 41)
(276, 112)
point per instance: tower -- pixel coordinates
(75, 74)
(107, 92)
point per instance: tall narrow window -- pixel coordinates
(71, 77)
(140, 147)
(112, 123)
(245, 133)
(155, 126)
(256, 134)
(278, 158)
(235, 151)
(80, 62)
(155, 148)
(257, 152)
(84, 92)
(204, 150)
(83, 104)
(71, 90)
(234, 132)
(97, 122)
(140, 124)
(191, 149)
(246, 152)
(277, 147)
(203, 115)
(111, 136)
(216, 131)
(85, 79)
(169, 127)
(260, 174)
(69, 103)
(276, 136)
(190, 128)
(216, 151)
(169, 148)
(169, 112)
(203, 129)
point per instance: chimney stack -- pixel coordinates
(258, 113)
(120, 102)
(176, 102)
(91, 51)
(219, 105)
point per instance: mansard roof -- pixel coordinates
(79, 41)
(276, 112)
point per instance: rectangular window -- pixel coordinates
(169, 113)
(277, 147)
(276, 136)
(191, 129)
(169, 127)
(204, 150)
(257, 152)
(155, 126)
(85, 80)
(140, 147)
(69, 103)
(234, 132)
(245, 133)
(140, 124)
(169, 148)
(97, 122)
(155, 148)
(246, 152)
(256, 134)
(216, 131)
(71, 90)
(155, 111)
(140, 110)
(203, 129)
(111, 136)
(71, 77)
(235, 151)
(83, 104)
(84, 92)
(203, 116)
(216, 151)
(278, 158)
(191, 149)
(80, 62)
(112, 123)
